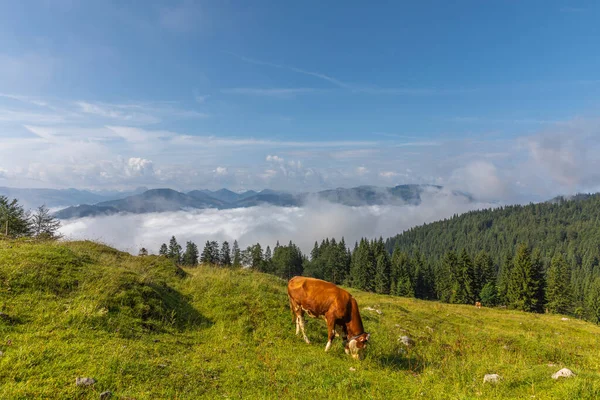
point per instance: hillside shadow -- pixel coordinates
(177, 310)
(399, 362)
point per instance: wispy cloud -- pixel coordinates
(271, 92)
(353, 87)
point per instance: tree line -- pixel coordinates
(17, 222)
(523, 281)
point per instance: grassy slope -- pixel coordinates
(143, 330)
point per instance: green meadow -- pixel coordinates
(143, 328)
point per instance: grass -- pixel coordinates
(145, 329)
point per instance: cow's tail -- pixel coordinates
(292, 308)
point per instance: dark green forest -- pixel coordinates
(538, 257)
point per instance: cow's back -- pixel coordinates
(317, 296)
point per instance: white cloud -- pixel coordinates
(275, 159)
(482, 180)
(362, 170)
(265, 224)
(220, 171)
(388, 174)
(136, 166)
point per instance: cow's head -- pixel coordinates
(356, 346)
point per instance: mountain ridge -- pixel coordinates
(164, 200)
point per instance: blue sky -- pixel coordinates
(499, 98)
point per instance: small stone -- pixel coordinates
(492, 378)
(564, 319)
(563, 373)
(406, 340)
(506, 347)
(352, 369)
(84, 381)
(105, 395)
(162, 365)
(551, 365)
(373, 309)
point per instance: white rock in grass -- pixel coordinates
(373, 309)
(352, 369)
(105, 395)
(563, 373)
(84, 381)
(564, 319)
(406, 340)
(492, 378)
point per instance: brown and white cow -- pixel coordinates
(323, 299)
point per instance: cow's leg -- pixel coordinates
(330, 330)
(301, 322)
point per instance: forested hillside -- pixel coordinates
(566, 230)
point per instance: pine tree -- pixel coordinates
(504, 277)
(382, 274)
(467, 293)
(190, 256)
(592, 303)
(143, 252)
(484, 273)
(44, 225)
(174, 252)
(236, 255)
(402, 274)
(447, 277)
(210, 254)
(163, 250)
(14, 221)
(257, 257)
(558, 293)
(524, 285)
(314, 254)
(225, 256)
(363, 266)
(488, 295)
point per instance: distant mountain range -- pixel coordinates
(162, 200)
(55, 198)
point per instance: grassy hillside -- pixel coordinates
(145, 329)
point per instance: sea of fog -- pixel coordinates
(265, 224)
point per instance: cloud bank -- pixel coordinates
(265, 224)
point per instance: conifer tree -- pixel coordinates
(382, 274)
(558, 292)
(592, 303)
(207, 254)
(236, 255)
(363, 267)
(468, 277)
(174, 252)
(143, 252)
(524, 285)
(504, 277)
(483, 273)
(163, 250)
(402, 273)
(44, 225)
(225, 256)
(14, 220)
(447, 278)
(190, 256)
